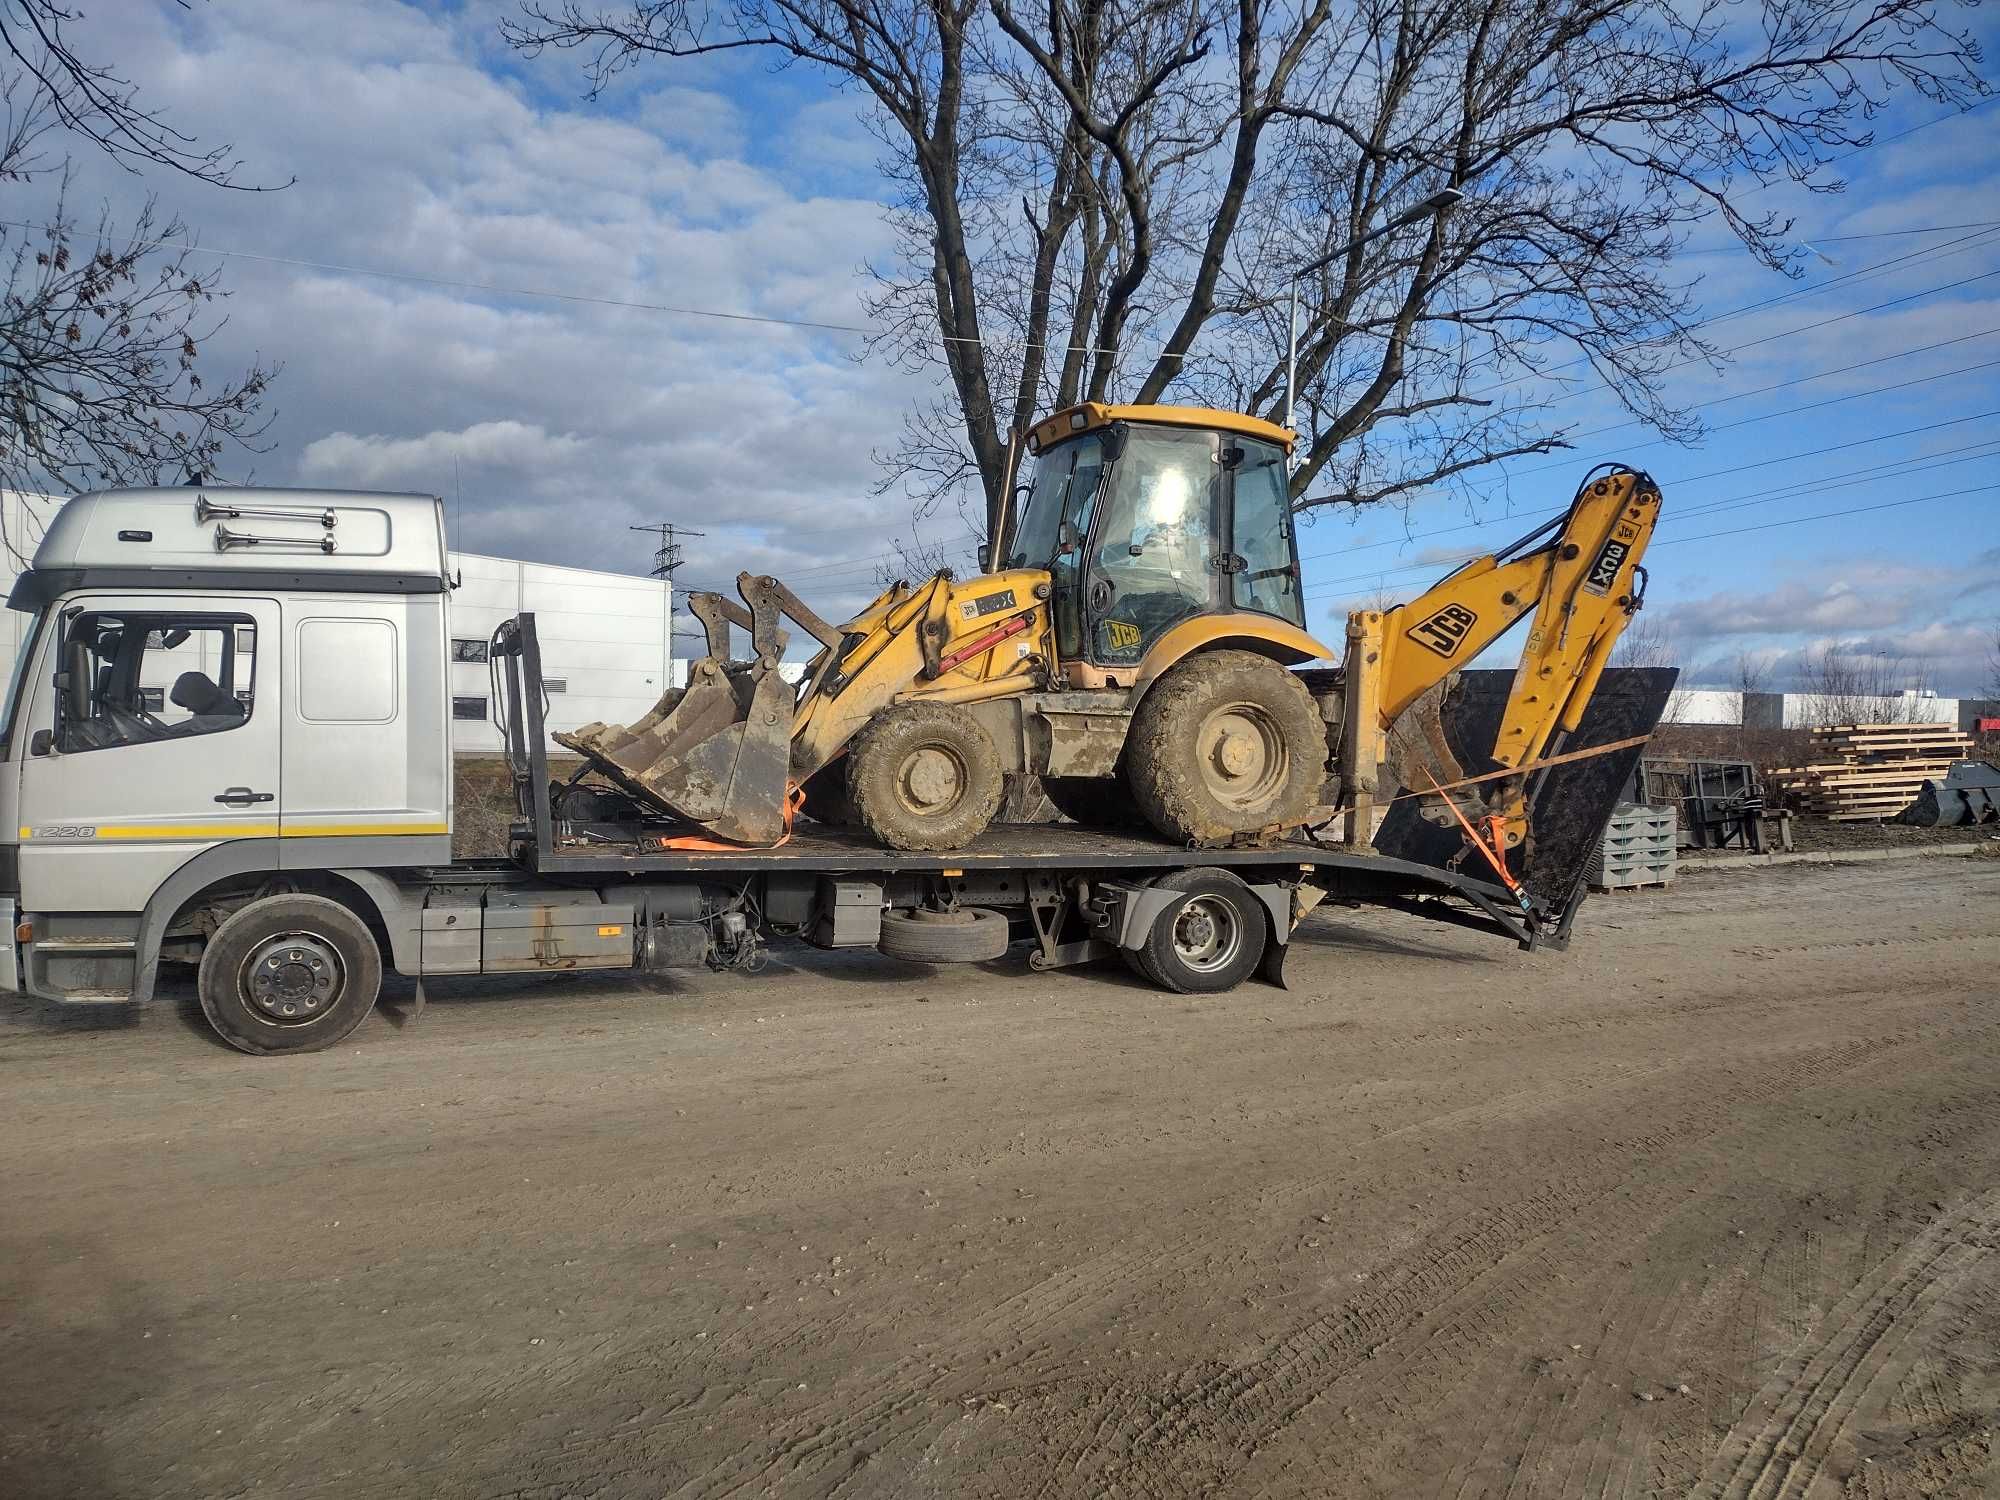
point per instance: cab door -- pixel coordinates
(151, 737)
(1153, 555)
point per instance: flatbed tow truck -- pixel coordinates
(227, 744)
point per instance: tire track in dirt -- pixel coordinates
(1229, 1416)
(820, 1446)
(1779, 1446)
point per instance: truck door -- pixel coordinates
(152, 735)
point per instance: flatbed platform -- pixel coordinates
(1013, 846)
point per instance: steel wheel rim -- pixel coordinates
(292, 979)
(932, 779)
(1242, 754)
(1207, 933)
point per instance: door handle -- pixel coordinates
(242, 796)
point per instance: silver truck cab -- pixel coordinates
(218, 686)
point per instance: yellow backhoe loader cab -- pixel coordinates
(1165, 530)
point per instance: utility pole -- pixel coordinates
(667, 557)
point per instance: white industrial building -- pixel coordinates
(604, 636)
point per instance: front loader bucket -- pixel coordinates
(1568, 805)
(719, 753)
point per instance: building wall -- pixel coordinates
(603, 638)
(1703, 706)
(603, 635)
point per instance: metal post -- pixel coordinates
(666, 558)
(1292, 358)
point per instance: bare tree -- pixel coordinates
(1646, 643)
(916, 558)
(1750, 673)
(1108, 198)
(1845, 683)
(101, 330)
(1993, 663)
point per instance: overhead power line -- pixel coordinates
(1514, 519)
(1531, 517)
(1831, 515)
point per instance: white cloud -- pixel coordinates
(564, 421)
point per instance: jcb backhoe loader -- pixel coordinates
(1131, 645)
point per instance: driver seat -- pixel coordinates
(213, 709)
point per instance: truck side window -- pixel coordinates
(135, 678)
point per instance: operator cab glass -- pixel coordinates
(1264, 575)
(1149, 562)
(1133, 523)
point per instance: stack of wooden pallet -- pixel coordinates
(1866, 773)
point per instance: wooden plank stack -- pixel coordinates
(1867, 773)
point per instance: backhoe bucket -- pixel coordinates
(719, 753)
(1568, 804)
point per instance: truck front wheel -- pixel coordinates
(289, 974)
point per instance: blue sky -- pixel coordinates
(423, 148)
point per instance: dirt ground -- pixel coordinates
(1709, 1205)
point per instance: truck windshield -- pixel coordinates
(31, 636)
(1065, 481)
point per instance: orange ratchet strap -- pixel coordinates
(795, 798)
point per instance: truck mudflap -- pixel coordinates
(1568, 804)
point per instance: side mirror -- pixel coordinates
(42, 742)
(1066, 537)
(985, 557)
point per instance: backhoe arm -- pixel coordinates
(1580, 577)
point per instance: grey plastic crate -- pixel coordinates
(1633, 876)
(1639, 848)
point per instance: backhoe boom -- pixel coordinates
(1579, 575)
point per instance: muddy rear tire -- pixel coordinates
(924, 776)
(1227, 743)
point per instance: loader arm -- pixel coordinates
(1580, 577)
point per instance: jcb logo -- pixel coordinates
(1120, 636)
(1604, 567)
(1445, 631)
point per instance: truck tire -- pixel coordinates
(1095, 801)
(289, 974)
(924, 776)
(1209, 940)
(969, 935)
(1226, 743)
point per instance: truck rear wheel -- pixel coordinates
(1226, 743)
(924, 776)
(289, 974)
(1208, 940)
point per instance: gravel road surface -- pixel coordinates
(1709, 1205)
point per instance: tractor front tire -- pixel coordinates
(924, 776)
(1227, 743)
